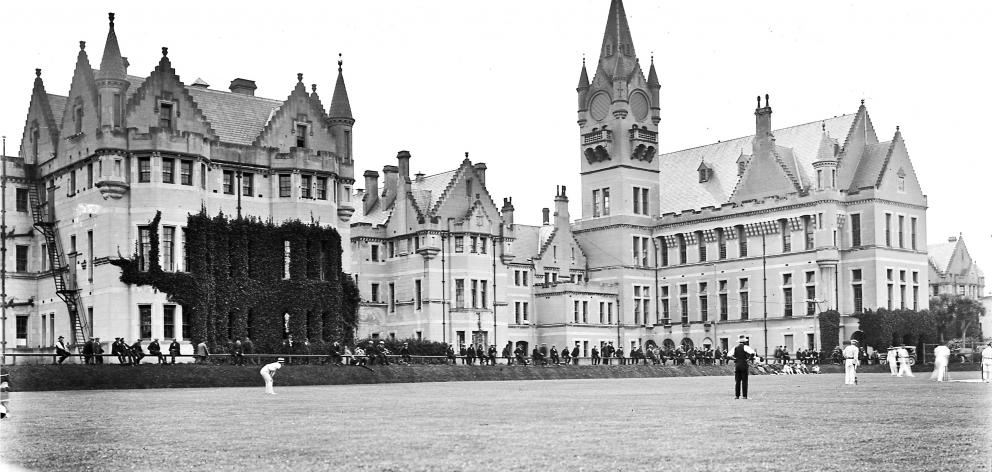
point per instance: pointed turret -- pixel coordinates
(339, 118)
(111, 81)
(340, 106)
(654, 86)
(112, 64)
(41, 130)
(583, 90)
(583, 77)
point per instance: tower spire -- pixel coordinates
(112, 64)
(340, 105)
(617, 42)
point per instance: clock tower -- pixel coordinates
(618, 127)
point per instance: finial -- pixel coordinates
(823, 126)
(759, 101)
(766, 101)
(313, 87)
(340, 62)
(652, 57)
(111, 20)
(897, 128)
(466, 154)
(583, 59)
(82, 45)
(299, 76)
(165, 51)
(37, 72)
(862, 102)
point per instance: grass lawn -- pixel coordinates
(791, 423)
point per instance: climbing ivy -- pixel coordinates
(829, 331)
(236, 284)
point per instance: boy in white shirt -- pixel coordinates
(268, 370)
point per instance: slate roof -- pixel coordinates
(428, 190)
(680, 181)
(941, 254)
(237, 118)
(375, 217)
(57, 104)
(527, 242)
(872, 161)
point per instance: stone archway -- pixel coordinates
(668, 344)
(650, 344)
(687, 344)
(707, 343)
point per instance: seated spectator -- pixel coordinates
(155, 349)
(360, 358)
(405, 353)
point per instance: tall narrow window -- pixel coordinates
(117, 110)
(285, 189)
(185, 252)
(483, 294)
(305, 186)
(165, 116)
(741, 241)
(168, 170)
(72, 182)
(856, 285)
(392, 297)
(721, 244)
(704, 302)
(684, 302)
(644, 202)
(203, 176)
(79, 119)
(374, 293)
(417, 294)
(89, 255)
(665, 310)
(682, 248)
(595, 203)
(186, 172)
(786, 235)
(301, 135)
(701, 240)
(856, 231)
(144, 248)
(475, 293)
(808, 227)
(89, 175)
(21, 258)
(321, 188)
(637, 200)
(22, 200)
(459, 293)
(606, 201)
(912, 232)
(744, 294)
(787, 295)
(229, 182)
(169, 321)
(168, 248)
(145, 321)
(902, 231)
(663, 251)
(144, 169)
(888, 229)
(247, 184)
(35, 137)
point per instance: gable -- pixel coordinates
(897, 179)
(82, 95)
(280, 131)
(460, 194)
(161, 87)
(856, 145)
(561, 243)
(41, 119)
(763, 177)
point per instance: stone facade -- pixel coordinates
(118, 148)
(692, 247)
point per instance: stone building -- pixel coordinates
(753, 235)
(96, 164)
(953, 271)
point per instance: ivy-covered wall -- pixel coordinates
(236, 285)
(883, 328)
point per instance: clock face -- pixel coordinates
(599, 106)
(639, 105)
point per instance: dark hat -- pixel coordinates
(63, 337)
(742, 339)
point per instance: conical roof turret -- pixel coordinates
(653, 75)
(340, 106)
(617, 43)
(112, 64)
(583, 77)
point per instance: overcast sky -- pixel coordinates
(497, 78)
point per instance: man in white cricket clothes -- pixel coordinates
(904, 369)
(851, 363)
(941, 357)
(268, 370)
(890, 359)
(987, 363)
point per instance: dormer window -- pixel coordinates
(705, 173)
(165, 115)
(301, 135)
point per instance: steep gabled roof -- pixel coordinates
(680, 180)
(164, 74)
(427, 191)
(872, 161)
(941, 254)
(45, 103)
(618, 40)
(237, 118)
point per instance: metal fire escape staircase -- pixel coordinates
(43, 215)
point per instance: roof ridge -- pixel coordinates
(752, 134)
(448, 187)
(888, 157)
(545, 244)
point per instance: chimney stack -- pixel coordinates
(507, 211)
(546, 219)
(763, 140)
(390, 177)
(371, 190)
(561, 207)
(480, 170)
(404, 165)
(243, 86)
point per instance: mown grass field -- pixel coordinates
(791, 423)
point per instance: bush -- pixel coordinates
(417, 347)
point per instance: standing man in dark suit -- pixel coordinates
(743, 355)
(88, 351)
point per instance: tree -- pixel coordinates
(957, 315)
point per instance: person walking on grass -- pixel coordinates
(61, 350)
(268, 371)
(851, 363)
(202, 352)
(987, 363)
(890, 359)
(941, 357)
(743, 356)
(904, 369)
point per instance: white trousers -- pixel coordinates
(850, 371)
(904, 369)
(987, 370)
(893, 367)
(268, 382)
(939, 370)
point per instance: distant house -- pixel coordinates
(952, 270)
